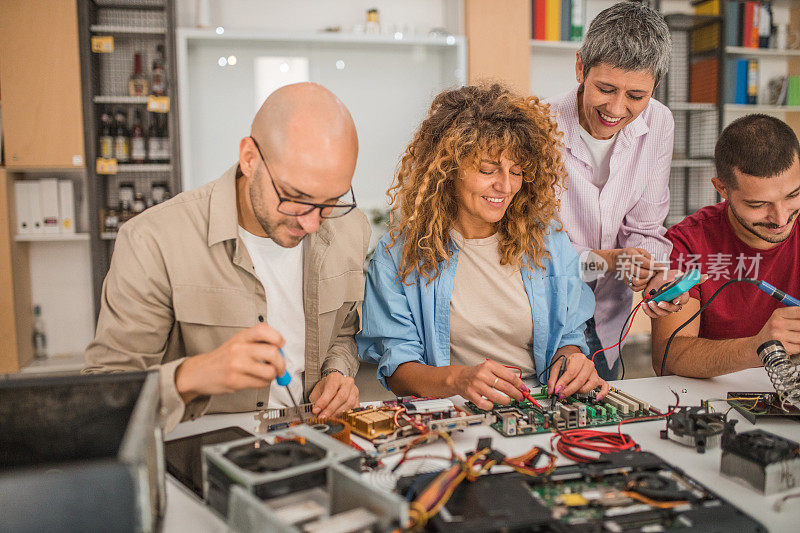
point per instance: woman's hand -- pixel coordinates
(579, 376)
(485, 384)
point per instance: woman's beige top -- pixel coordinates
(490, 314)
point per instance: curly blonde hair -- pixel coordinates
(463, 125)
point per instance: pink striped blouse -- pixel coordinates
(631, 208)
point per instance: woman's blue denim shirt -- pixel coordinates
(402, 323)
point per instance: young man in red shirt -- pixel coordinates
(752, 234)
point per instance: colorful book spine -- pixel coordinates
(741, 81)
(793, 94)
(552, 14)
(566, 8)
(539, 19)
(752, 19)
(752, 82)
(733, 24)
(577, 20)
(765, 25)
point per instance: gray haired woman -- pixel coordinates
(617, 153)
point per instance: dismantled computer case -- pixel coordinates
(81, 453)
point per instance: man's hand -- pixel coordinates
(248, 360)
(783, 326)
(485, 384)
(333, 395)
(579, 376)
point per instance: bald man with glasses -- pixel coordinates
(211, 286)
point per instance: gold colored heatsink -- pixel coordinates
(371, 423)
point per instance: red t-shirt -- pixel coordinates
(707, 240)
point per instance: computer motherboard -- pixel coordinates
(577, 411)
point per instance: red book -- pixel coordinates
(752, 12)
(539, 19)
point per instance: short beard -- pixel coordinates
(269, 226)
(751, 228)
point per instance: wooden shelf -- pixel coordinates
(568, 46)
(102, 28)
(120, 99)
(692, 163)
(743, 108)
(691, 106)
(52, 237)
(761, 52)
(146, 167)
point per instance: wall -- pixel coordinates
(61, 283)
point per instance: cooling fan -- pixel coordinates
(695, 426)
(260, 457)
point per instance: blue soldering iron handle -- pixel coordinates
(285, 379)
(778, 294)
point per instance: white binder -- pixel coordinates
(48, 203)
(35, 206)
(66, 206)
(23, 203)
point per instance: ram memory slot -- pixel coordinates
(630, 407)
(644, 406)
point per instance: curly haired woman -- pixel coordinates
(476, 279)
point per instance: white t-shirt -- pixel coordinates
(280, 271)
(600, 152)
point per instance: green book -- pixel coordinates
(793, 96)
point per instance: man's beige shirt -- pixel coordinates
(181, 283)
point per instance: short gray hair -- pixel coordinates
(630, 36)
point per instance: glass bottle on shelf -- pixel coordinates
(159, 139)
(159, 85)
(138, 204)
(138, 146)
(39, 337)
(122, 143)
(106, 138)
(137, 84)
(126, 197)
(373, 25)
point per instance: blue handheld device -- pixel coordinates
(672, 290)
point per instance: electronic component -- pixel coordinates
(393, 425)
(767, 462)
(423, 406)
(672, 290)
(280, 463)
(272, 419)
(759, 405)
(371, 422)
(577, 411)
(625, 491)
(695, 426)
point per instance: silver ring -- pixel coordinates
(630, 280)
(495, 381)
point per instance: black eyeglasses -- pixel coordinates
(298, 208)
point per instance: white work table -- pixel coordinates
(185, 513)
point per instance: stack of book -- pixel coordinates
(558, 20)
(748, 24)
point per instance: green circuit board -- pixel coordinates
(577, 411)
